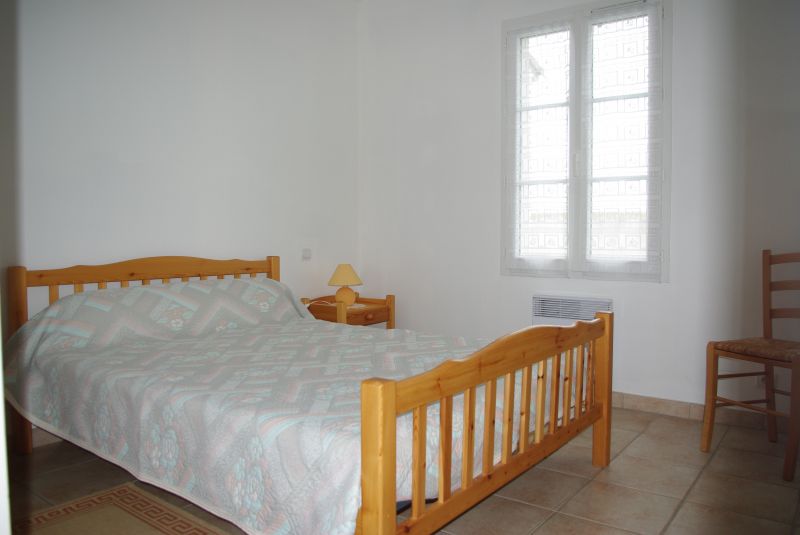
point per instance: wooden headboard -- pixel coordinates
(144, 270)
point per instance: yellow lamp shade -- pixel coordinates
(344, 275)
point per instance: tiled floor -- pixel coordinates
(658, 482)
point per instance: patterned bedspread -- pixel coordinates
(224, 392)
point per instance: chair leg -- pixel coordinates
(790, 461)
(769, 391)
(712, 362)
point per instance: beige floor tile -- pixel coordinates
(498, 516)
(572, 459)
(631, 420)
(682, 431)
(217, 522)
(543, 487)
(643, 474)
(622, 507)
(658, 449)
(696, 519)
(58, 486)
(46, 458)
(559, 524)
(751, 465)
(741, 438)
(754, 498)
(620, 438)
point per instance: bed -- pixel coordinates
(320, 427)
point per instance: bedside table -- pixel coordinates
(365, 311)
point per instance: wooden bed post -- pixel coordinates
(603, 351)
(17, 299)
(21, 430)
(378, 443)
(274, 267)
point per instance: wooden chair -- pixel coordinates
(771, 353)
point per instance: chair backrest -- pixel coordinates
(769, 286)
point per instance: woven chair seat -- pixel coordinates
(767, 348)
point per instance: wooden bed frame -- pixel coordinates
(569, 367)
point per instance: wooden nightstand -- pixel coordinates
(365, 311)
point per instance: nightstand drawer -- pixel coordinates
(367, 315)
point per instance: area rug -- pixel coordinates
(122, 510)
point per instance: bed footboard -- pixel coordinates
(565, 387)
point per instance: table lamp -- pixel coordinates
(345, 276)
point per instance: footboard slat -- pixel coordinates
(525, 410)
(541, 396)
(445, 447)
(579, 383)
(566, 394)
(508, 417)
(468, 445)
(590, 375)
(418, 463)
(489, 408)
(554, 388)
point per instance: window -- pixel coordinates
(584, 144)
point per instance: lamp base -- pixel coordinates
(345, 295)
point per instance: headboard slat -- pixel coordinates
(53, 293)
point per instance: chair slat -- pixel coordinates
(53, 293)
(165, 280)
(145, 282)
(418, 462)
(489, 402)
(78, 288)
(253, 275)
(579, 383)
(525, 410)
(541, 397)
(124, 284)
(445, 447)
(778, 286)
(102, 285)
(554, 390)
(237, 275)
(220, 277)
(566, 395)
(508, 417)
(785, 313)
(468, 438)
(784, 258)
(184, 279)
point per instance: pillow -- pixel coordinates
(102, 318)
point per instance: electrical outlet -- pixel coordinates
(306, 254)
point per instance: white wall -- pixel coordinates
(197, 127)
(772, 107)
(429, 186)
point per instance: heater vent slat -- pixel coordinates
(562, 310)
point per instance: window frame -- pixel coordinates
(576, 264)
